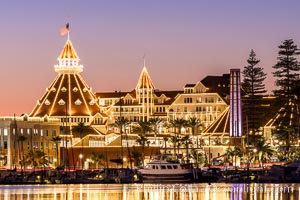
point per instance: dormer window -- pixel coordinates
(92, 102)
(47, 102)
(78, 102)
(63, 89)
(61, 102)
(75, 89)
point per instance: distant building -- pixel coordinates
(38, 133)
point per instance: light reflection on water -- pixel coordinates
(151, 191)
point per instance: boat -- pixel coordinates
(162, 169)
(119, 175)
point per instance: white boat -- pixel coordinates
(164, 170)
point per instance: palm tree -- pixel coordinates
(36, 158)
(136, 154)
(142, 128)
(166, 140)
(56, 141)
(174, 139)
(178, 124)
(142, 140)
(21, 139)
(97, 157)
(200, 158)
(155, 124)
(186, 141)
(120, 123)
(82, 130)
(194, 123)
(263, 151)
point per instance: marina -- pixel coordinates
(151, 191)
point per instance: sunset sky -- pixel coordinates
(183, 41)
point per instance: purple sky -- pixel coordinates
(184, 41)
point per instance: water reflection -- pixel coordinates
(151, 191)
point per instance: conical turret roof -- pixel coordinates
(68, 51)
(68, 95)
(145, 80)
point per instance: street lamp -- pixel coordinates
(254, 150)
(80, 157)
(54, 160)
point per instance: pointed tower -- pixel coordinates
(68, 97)
(144, 94)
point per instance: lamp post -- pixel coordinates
(55, 160)
(209, 150)
(254, 150)
(121, 124)
(81, 164)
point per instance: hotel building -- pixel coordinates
(69, 100)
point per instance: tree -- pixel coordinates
(287, 73)
(155, 124)
(165, 140)
(81, 130)
(36, 158)
(142, 128)
(142, 140)
(254, 89)
(263, 151)
(287, 68)
(177, 124)
(56, 141)
(194, 123)
(136, 154)
(121, 123)
(21, 139)
(186, 141)
(97, 158)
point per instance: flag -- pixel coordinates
(64, 30)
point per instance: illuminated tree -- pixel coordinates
(287, 68)
(254, 88)
(287, 73)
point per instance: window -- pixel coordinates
(185, 109)
(35, 145)
(188, 100)
(5, 132)
(198, 109)
(53, 133)
(209, 99)
(163, 167)
(35, 132)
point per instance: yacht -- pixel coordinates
(164, 170)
